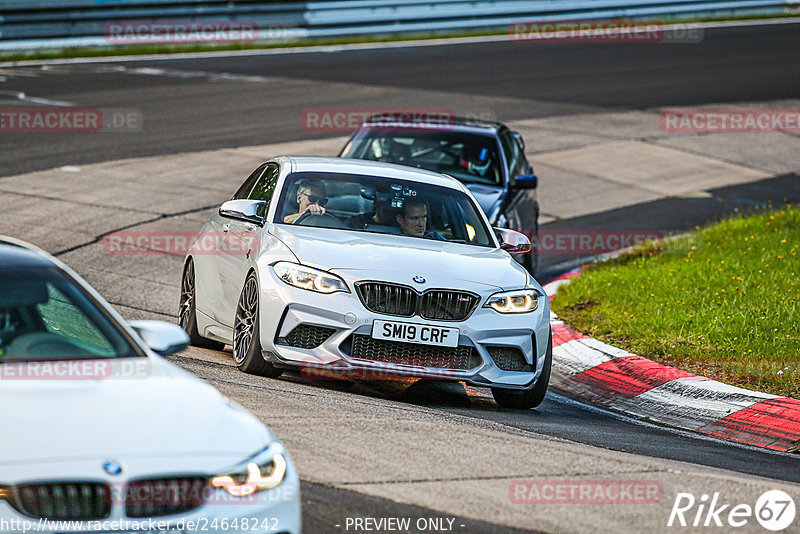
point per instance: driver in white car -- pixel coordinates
(310, 198)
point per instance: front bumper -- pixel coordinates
(284, 308)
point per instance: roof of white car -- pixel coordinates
(371, 168)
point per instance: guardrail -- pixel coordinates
(38, 23)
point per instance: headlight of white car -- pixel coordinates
(263, 472)
(309, 278)
(519, 301)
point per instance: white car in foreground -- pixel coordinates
(100, 433)
(369, 269)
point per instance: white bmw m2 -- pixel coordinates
(343, 265)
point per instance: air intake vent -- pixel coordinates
(306, 336)
(509, 359)
(364, 347)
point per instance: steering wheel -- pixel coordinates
(324, 220)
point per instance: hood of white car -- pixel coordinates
(398, 257)
(155, 411)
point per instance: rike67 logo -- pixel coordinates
(774, 510)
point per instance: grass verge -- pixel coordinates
(720, 302)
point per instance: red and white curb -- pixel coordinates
(616, 379)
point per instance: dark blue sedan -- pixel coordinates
(485, 156)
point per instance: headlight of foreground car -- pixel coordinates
(309, 278)
(519, 301)
(264, 472)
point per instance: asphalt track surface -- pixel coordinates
(514, 80)
(256, 100)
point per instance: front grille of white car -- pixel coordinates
(405, 301)
(164, 496)
(68, 501)
(88, 501)
(364, 347)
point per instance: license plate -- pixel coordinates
(424, 334)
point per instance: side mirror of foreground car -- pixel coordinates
(526, 181)
(252, 211)
(513, 242)
(163, 338)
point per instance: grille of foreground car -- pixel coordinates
(509, 359)
(361, 346)
(164, 496)
(404, 301)
(306, 336)
(66, 501)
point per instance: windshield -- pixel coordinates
(45, 316)
(381, 205)
(471, 158)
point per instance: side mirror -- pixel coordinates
(252, 211)
(526, 181)
(163, 338)
(520, 141)
(513, 242)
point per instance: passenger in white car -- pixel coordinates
(413, 220)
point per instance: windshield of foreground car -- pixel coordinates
(45, 316)
(381, 205)
(470, 158)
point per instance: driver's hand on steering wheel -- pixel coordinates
(315, 209)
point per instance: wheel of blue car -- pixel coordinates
(188, 314)
(531, 398)
(246, 337)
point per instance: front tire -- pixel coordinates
(246, 336)
(530, 398)
(188, 313)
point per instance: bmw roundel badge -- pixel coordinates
(418, 279)
(112, 467)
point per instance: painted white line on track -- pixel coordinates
(18, 95)
(315, 49)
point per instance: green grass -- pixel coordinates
(720, 302)
(145, 49)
